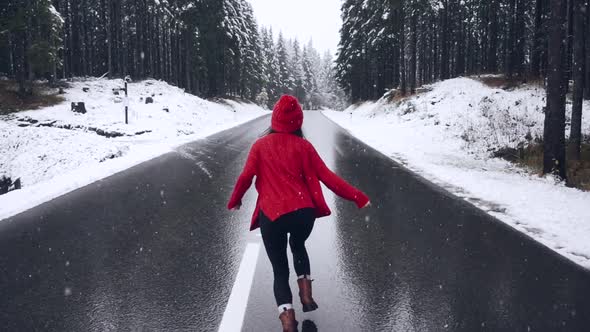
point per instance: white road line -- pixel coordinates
(233, 317)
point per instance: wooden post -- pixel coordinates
(126, 105)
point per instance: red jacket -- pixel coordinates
(288, 172)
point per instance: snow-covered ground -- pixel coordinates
(53, 150)
(448, 135)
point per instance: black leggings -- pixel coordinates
(274, 235)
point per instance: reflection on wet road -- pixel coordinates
(153, 249)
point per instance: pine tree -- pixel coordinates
(389, 44)
(285, 77)
(402, 43)
(251, 54)
(554, 137)
(578, 76)
(351, 71)
(297, 72)
(275, 84)
(413, 8)
(537, 48)
(587, 75)
(31, 31)
(265, 45)
(309, 77)
(209, 47)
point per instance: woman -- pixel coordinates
(288, 172)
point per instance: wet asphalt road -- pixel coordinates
(154, 249)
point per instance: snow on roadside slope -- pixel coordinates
(448, 134)
(54, 150)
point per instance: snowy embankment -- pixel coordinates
(53, 150)
(448, 136)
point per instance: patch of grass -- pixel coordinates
(223, 100)
(394, 96)
(497, 82)
(358, 104)
(42, 96)
(505, 83)
(531, 157)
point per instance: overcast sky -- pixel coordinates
(304, 19)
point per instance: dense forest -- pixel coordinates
(215, 48)
(212, 48)
(405, 43)
(402, 44)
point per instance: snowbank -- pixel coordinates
(448, 136)
(54, 150)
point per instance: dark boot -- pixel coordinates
(287, 318)
(305, 295)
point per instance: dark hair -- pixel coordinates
(269, 131)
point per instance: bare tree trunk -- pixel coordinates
(587, 80)
(492, 65)
(169, 53)
(164, 51)
(151, 44)
(413, 42)
(422, 63)
(436, 51)
(134, 43)
(54, 63)
(89, 36)
(545, 42)
(109, 35)
(578, 72)
(395, 53)
(27, 45)
(554, 136)
(510, 48)
(537, 40)
(11, 72)
(76, 46)
(140, 54)
(66, 31)
(187, 63)
(460, 42)
(157, 53)
(83, 44)
(118, 23)
(402, 49)
(569, 40)
(179, 61)
(20, 51)
(124, 41)
(519, 42)
(444, 61)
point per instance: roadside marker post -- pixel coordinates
(126, 104)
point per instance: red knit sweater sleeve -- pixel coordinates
(334, 182)
(245, 179)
